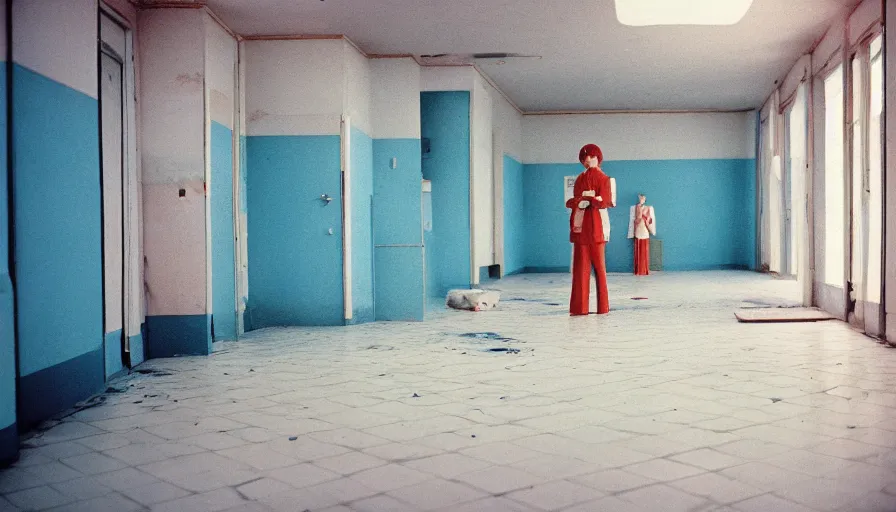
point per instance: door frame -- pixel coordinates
(763, 228)
(797, 231)
(106, 50)
(130, 186)
(862, 50)
(787, 224)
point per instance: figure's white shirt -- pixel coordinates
(604, 214)
(644, 229)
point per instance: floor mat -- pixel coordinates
(781, 315)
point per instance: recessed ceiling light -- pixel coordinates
(642, 13)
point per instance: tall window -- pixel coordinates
(834, 180)
(874, 179)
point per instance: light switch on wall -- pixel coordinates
(394, 162)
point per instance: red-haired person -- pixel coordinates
(589, 231)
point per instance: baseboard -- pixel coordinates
(52, 390)
(178, 335)
(9, 445)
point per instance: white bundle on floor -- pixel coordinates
(472, 300)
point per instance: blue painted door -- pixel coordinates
(295, 234)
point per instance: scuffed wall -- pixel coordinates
(174, 181)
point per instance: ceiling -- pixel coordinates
(589, 61)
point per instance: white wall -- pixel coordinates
(829, 50)
(73, 29)
(356, 88)
(172, 93)
(173, 158)
(220, 52)
(507, 139)
(294, 87)
(865, 16)
(797, 74)
(123, 8)
(447, 78)
(749, 130)
(507, 124)
(482, 191)
(395, 98)
(558, 138)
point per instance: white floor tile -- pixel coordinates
(670, 389)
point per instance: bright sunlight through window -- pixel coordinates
(642, 13)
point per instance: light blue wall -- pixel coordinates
(397, 229)
(295, 276)
(362, 226)
(445, 121)
(9, 438)
(223, 259)
(705, 213)
(514, 217)
(58, 243)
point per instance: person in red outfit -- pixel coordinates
(589, 231)
(642, 224)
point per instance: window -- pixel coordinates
(834, 179)
(874, 177)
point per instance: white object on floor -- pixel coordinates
(782, 315)
(472, 300)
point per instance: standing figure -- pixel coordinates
(589, 231)
(642, 224)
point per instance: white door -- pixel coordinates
(797, 254)
(112, 50)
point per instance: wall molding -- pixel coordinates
(636, 111)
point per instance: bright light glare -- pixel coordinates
(642, 13)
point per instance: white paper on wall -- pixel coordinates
(570, 185)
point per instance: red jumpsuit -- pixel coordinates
(588, 241)
(641, 225)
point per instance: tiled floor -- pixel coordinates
(667, 404)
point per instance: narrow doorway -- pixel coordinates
(797, 253)
(445, 126)
(112, 59)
